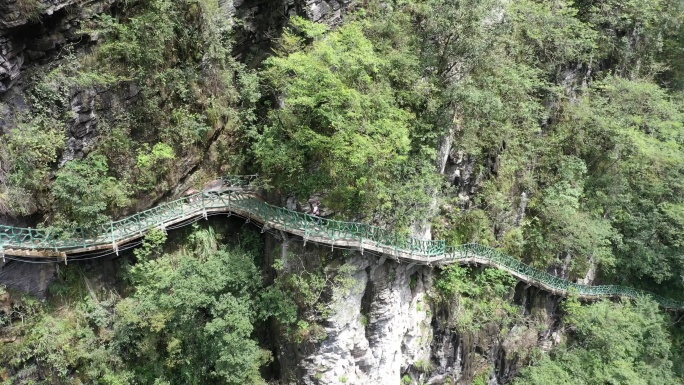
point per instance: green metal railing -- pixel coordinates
(539, 277)
(322, 230)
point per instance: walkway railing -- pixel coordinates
(41, 243)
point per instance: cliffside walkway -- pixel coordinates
(236, 199)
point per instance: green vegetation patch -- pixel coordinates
(611, 343)
(189, 320)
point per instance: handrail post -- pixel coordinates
(204, 207)
(115, 247)
(361, 245)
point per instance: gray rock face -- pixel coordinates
(35, 31)
(263, 20)
(29, 278)
(11, 60)
(330, 11)
(82, 130)
(28, 41)
(377, 329)
(89, 106)
(15, 13)
(37, 40)
(460, 171)
(386, 328)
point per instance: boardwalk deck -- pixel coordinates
(37, 244)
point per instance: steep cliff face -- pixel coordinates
(375, 330)
(263, 19)
(34, 32)
(38, 35)
(387, 328)
(27, 278)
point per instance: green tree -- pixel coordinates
(190, 321)
(85, 193)
(152, 163)
(340, 126)
(610, 344)
(28, 155)
(559, 226)
(476, 298)
(628, 133)
(631, 33)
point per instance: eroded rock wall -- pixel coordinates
(262, 21)
(386, 328)
(34, 35)
(26, 277)
(35, 31)
(376, 329)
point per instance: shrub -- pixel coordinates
(84, 193)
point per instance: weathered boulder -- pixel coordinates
(27, 277)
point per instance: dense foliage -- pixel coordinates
(164, 77)
(477, 298)
(189, 320)
(611, 344)
(573, 138)
(563, 121)
(551, 129)
(341, 125)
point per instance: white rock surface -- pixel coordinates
(373, 348)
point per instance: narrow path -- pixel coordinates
(39, 244)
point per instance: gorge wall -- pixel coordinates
(387, 327)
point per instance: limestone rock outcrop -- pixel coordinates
(380, 327)
(386, 328)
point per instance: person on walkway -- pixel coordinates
(316, 211)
